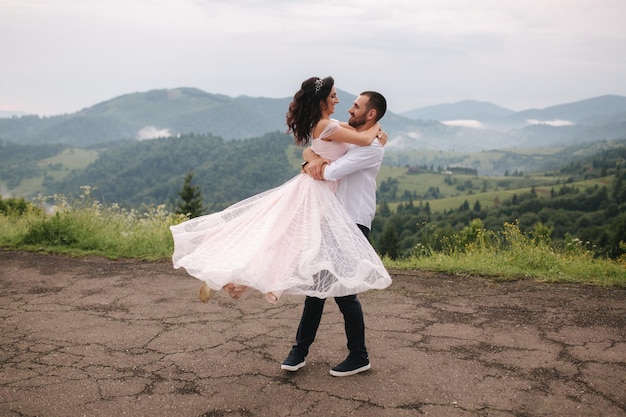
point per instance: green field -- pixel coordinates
(488, 190)
(415, 174)
(56, 168)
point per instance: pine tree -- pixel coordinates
(388, 243)
(191, 199)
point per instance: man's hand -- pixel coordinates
(314, 165)
(315, 168)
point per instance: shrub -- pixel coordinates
(56, 230)
(15, 206)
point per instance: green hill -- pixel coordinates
(156, 113)
(182, 111)
(581, 195)
(580, 202)
(151, 172)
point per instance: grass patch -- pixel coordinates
(511, 255)
(544, 267)
(86, 227)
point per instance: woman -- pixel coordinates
(293, 239)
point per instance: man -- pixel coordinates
(357, 170)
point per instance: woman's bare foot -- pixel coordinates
(235, 291)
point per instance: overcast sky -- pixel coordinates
(59, 56)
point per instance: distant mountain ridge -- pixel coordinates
(162, 112)
(6, 113)
(583, 111)
(462, 110)
(171, 112)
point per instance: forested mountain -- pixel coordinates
(593, 218)
(151, 172)
(138, 173)
(181, 111)
(19, 162)
(156, 113)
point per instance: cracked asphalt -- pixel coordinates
(95, 337)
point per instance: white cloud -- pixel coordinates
(463, 123)
(151, 132)
(554, 122)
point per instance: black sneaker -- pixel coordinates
(294, 361)
(351, 366)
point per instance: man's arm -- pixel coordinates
(356, 159)
(313, 163)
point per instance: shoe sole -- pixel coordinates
(292, 368)
(352, 372)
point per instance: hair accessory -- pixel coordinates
(318, 85)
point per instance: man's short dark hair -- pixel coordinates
(377, 102)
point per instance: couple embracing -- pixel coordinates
(306, 237)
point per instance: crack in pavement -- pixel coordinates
(98, 337)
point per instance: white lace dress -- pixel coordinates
(293, 239)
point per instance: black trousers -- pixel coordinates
(350, 307)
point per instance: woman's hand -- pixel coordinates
(382, 137)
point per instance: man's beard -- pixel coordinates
(357, 122)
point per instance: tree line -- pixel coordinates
(153, 172)
(133, 173)
(595, 216)
(18, 162)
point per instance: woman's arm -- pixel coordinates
(342, 134)
(308, 154)
(381, 135)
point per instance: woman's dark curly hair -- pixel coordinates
(304, 110)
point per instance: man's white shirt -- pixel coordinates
(357, 171)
